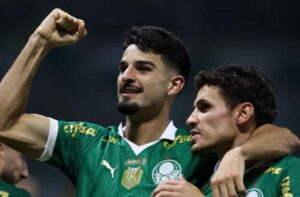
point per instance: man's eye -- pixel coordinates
(122, 68)
(144, 69)
(204, 107)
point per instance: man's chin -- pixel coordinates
(197, 149)
(127, 108)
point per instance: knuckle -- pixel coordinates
(56, 10)
(216, 182)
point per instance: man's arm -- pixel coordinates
(267, 143)
(28, 132)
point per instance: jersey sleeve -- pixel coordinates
(53, 130)
(69, 143)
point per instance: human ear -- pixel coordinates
(176, 84)
(244, 112)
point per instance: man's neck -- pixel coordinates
(146, 131)
(239, 140)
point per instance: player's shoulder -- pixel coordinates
(291, 159)
(84, 127)
(7, 189)
(288, 163)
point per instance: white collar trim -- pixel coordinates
(168, 134)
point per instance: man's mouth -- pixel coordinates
(195, 132)
(130, 90)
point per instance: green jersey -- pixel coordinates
(101, 162)
(276, 179)
(10, 190)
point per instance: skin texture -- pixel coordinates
(13, 167)
(177, 188)
(211, 122)
(135, 80)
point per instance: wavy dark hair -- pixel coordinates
(242, 83)
(162, 42)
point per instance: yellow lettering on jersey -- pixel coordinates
(82, 129)
(136, 161)
(179, 139)
(4, 194)
(285, 187)
(73, 129)
(110, 140)
(90, 131)
(274, 170)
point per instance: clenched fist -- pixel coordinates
(60, 28)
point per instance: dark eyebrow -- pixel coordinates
(201, 101)
(122, 62)
(145, 62)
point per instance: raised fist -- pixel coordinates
(60, 28)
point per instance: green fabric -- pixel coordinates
(280, 178)
(83, 149)
(10, 190)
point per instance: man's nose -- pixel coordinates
(192, 120)
(129, 74)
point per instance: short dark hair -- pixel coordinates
(242, 83)
(160, 41)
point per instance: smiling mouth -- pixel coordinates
(130, 90)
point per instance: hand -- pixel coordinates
(59, 29)
(228, 179)
(178, 188)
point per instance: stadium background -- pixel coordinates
(78, 82)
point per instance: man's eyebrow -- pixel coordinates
(145, 62)
(122, 62)
(200, 101)
(139, 62)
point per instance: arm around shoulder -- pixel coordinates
(269, 142)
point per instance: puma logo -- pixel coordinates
(112, 170)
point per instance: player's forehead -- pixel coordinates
(133, 54)
(209, 94)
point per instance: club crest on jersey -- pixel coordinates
(254, 192)
(166, 170)
(132, 177)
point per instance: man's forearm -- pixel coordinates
(15, 86)
(269, 142)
